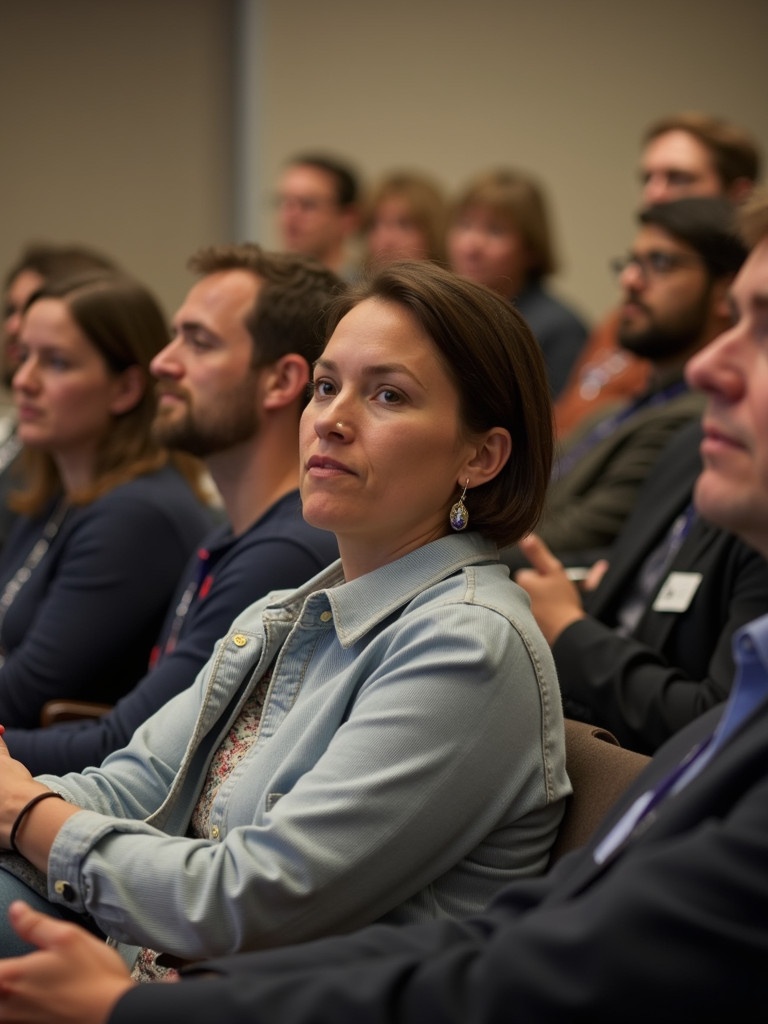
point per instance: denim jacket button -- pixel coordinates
(64, 889)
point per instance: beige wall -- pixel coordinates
(116, 115)
(559, 87)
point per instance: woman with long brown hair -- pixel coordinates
(106, 522)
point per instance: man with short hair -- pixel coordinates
(684, 154)
(694, 154)
(675, 284)
(231, 385)
(318, 210)
(660, 917)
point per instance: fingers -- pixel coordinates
(38, 929)
(539, 555)
(596, 574)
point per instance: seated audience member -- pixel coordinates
(105, 524)
(500, 236)
(231, 385)
(40, 263)
(384, 743)
(688, 154)
(318, 211)
(649, 648)
(661, 916)
(675, 282)
(405, 219)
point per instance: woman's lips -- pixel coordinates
(320, 465)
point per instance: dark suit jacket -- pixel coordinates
(587, 506)
(671, 928)
(676, 665)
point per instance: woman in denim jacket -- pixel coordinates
(383, 744)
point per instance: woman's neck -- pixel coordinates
(76, 469)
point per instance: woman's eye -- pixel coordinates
(390, 397)
(321, 388)
(57, 363)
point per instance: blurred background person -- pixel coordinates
(405, 218)
(675, 282)
(685, 154)
(500, 236)
(105, 524)
(318, 211)
(38, 264)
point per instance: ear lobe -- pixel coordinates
(129, 388)
(285, 381)
(721, 303)
(740, 189)
(491, 456)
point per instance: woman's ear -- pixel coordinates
(129, 387)
(491, 454)
(285, 381)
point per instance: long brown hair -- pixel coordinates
(124, 323)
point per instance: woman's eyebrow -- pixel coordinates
(375, 370)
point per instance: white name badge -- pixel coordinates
(677, 592)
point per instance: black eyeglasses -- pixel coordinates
(656, 263)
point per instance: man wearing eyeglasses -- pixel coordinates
(675, 282)
(683, 154)
(318, 211)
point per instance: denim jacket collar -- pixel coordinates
(361, 604)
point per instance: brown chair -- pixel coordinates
(68, 710)
(600, 770)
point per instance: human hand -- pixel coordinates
(555, 600)
(72, 978)
(17, 787)
(595, 575)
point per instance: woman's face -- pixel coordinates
(485, 247)
(65, 393)
(382, 449)
(394, 234)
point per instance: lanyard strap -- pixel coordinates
(33, 559)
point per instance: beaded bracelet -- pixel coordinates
(24, 811)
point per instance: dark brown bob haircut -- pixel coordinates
(498, 370)
(126, 326)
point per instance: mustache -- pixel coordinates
(169, 388)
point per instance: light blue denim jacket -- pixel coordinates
(410, 761)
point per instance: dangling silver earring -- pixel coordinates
(459, 516)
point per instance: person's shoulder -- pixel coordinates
(159, 496)
(551, 310)
(482, 584)
(285, 523)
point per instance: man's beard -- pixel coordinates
(234, 422)
(662, 341)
